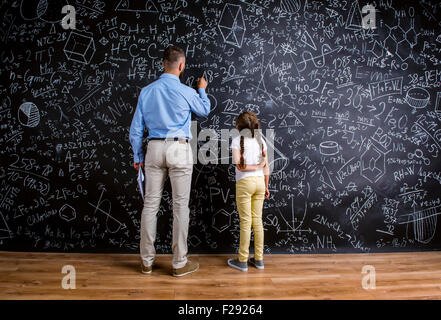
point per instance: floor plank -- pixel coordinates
(36, 275)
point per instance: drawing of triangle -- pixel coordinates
(297, 122)
(53, 31)
(65, 90)
(271, 41)
(261, 83)
(18, 213)
(331, 12)
(226, 32)
(231, 37)
(306, 39)
(4, 229)
(283, 124)
(354, 20)
(136, 6)
(326, 179)
(151, 7)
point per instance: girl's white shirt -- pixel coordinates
(252, 153)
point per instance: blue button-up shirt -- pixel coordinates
(165, 107)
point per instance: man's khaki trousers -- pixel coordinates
(174, 158)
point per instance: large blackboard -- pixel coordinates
(355, 115)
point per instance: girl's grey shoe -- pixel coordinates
(257, 263)
(236, 264)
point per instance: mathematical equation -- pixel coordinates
(355, 114)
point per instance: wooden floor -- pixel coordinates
(415, 275)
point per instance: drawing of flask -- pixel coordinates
(424, 225)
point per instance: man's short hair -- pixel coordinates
(172, 55)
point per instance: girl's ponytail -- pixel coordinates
(248, 120)
(259, 140)
(242, 150)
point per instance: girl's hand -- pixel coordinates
(267, 194)
(261, 165)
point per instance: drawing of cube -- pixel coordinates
(221, 220)
(67, 213)
(232, 25)
(373, 165)
(79, 48)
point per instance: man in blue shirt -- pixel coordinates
(165, 107)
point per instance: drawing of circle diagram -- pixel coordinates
(290, 6)
(417, 97)
(419, 154)
(46, 10)
(28, 115)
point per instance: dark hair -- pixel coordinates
(248, 120)
(172, 55)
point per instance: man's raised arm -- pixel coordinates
(200, 104)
